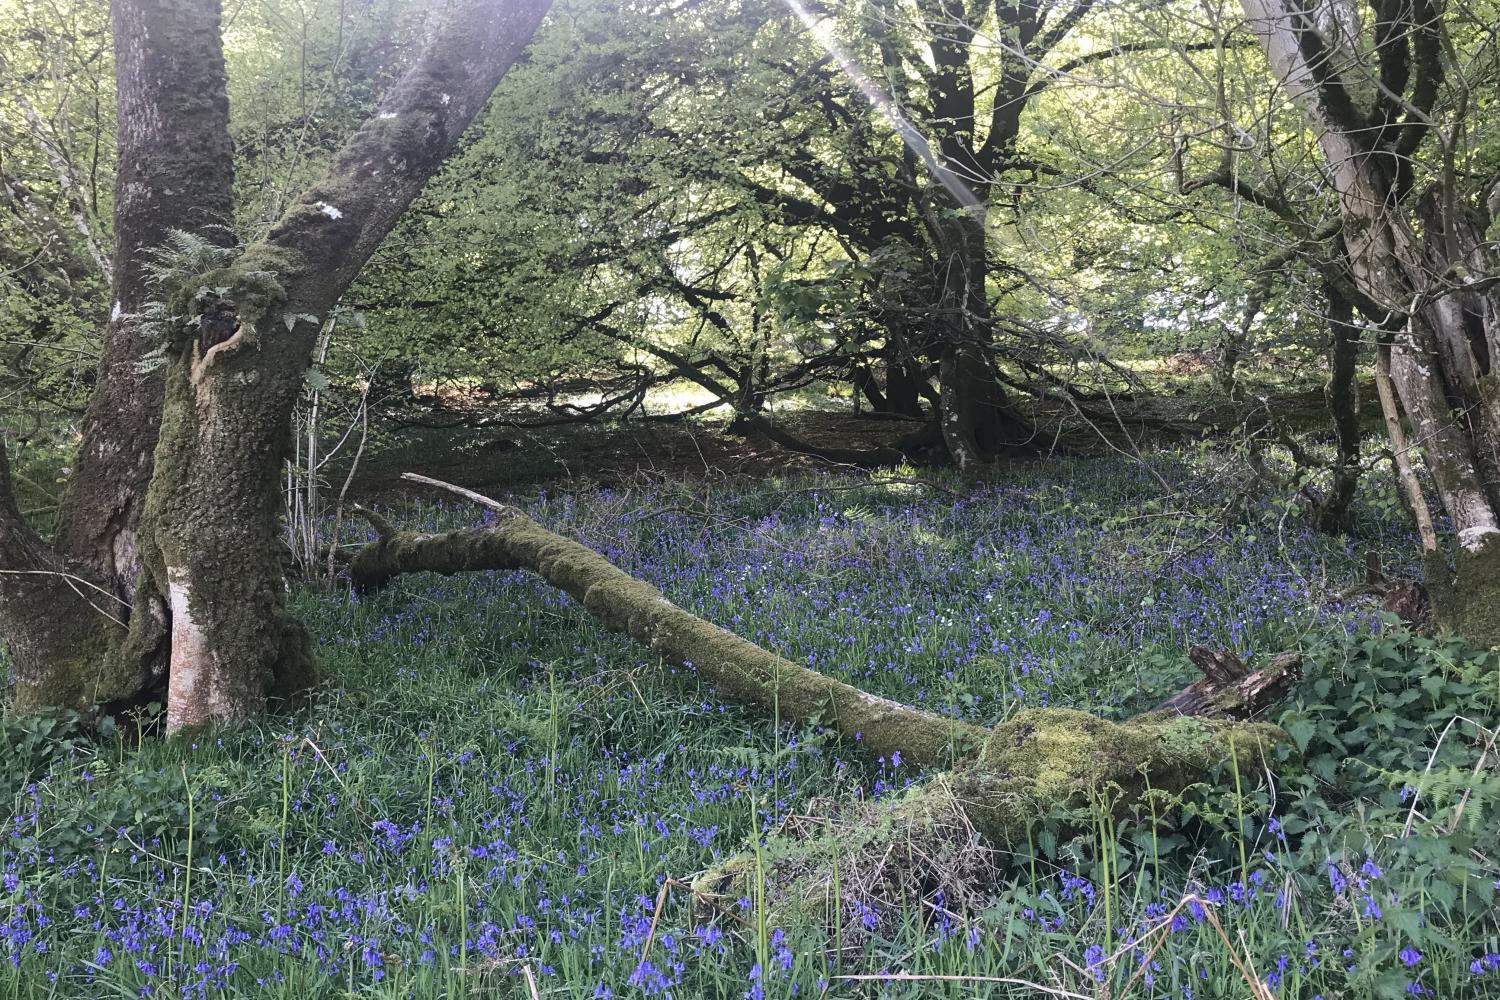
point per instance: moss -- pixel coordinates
(1058, 758)
(855, 862)
(212, 508)
(1040, 763)
(1466, 600)
(80, 678)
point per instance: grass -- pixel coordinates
(489, 797)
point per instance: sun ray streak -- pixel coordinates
(882, 102)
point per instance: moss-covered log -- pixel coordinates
(743, 673)
(935, 837)
(739, 670)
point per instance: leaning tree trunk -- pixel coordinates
(745, 674)
(1442, 282)
(175, 172)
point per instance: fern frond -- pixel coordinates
(183, 257)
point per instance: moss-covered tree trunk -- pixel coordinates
(1419, 257)
(57, 625)
(175, 172)
(209, 599)
(741, 671)
(214, 505)
(1000, 780)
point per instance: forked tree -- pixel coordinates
(166, 569)
(1390, 90)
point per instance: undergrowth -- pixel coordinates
(492, 798)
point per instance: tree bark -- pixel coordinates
(977, 422)
(214, 505)
(740, 670)
(57, 624)
(903, 397)
(1442, 363)
(175, 172)
(1229, 689)
(1331, 510)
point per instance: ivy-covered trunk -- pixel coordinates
(1417, 255)
(182, 543)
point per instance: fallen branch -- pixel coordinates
(1001, 779)
(739, 670)
(1231, 690)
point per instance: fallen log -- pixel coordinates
(739, 670)
(998, 781)
(861, 864)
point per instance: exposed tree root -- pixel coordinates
(1000, 780)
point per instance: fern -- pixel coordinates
(180, 263)
(183, 258)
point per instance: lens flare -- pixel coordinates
(882, 102)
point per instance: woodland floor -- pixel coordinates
(490, 797)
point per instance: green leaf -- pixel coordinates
(1301, 731)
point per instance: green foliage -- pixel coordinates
(1404, 726)
(35, 743)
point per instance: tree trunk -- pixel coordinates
(740, 670)
(1442, 363)
(1001, 780)
(745, 674)
(175, 172)
(1229, 689)
(903, 396)
(977, 422)
(214, 504)
(242, 336)
(57, 626)
(1041, 763)
(1331, 511)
